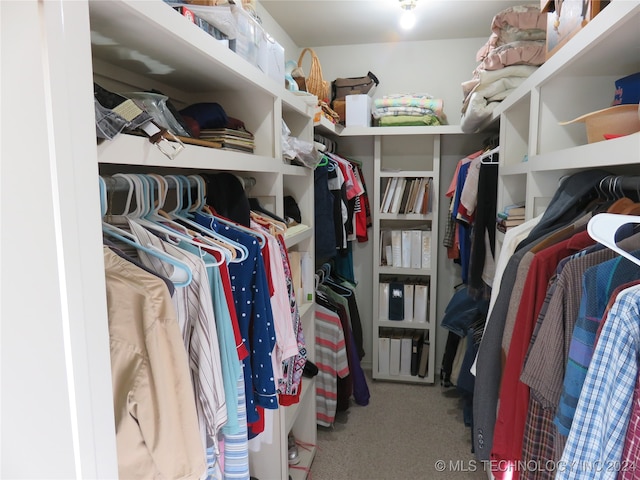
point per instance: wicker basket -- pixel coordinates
(314, 82)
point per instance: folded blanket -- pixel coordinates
(485, 77)
(409, 120)
(395, 111)
(435, 105)
(515, 53)
(517, 23)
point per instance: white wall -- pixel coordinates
(291, 50)
(434, 67)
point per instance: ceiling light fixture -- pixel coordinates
(408, 18)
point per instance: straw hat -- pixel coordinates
(610, 122)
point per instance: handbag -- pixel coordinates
(341, 87)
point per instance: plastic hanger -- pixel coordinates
(603, 227)
(152, 221)
(182, 275)
(229, 248)
(489, 155)
(180, 278)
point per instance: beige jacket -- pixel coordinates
(157, 432)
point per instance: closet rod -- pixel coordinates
(119, 184)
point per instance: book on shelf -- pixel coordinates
(384, 350)
(395, 347)
(386, 253)
(417, 204)
(396, 248)
(405, 353)
(396, 301)
(416, 249)
(389, 195)
(386, 184)
(426, 249)
(423, 362)
(416, 349)
(508, 216)
(405, 195)
(406, 249)
(420, 303)
(510, 222)
(397, 195)
(383, 301)
(408, 301)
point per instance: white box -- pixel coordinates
(358, 111)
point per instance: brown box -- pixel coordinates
(340, 107)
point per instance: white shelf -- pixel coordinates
(406, 216)
(577, 79)
(136, 150)
(190, 66)
(404, 324)
(406, 173)
(300, 236)
(384, 270)
(415, 130)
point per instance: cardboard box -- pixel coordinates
(358, 111)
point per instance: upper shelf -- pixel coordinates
(150, 39)
(607, 45)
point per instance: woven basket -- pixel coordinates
(315, 84)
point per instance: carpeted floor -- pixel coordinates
(406, 432)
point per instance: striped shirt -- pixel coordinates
(199, 331)
(332, 362)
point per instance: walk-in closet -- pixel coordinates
(323, 240)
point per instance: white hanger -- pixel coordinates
(182, 274)
(182, 215)
(489, 155)
(603, 227)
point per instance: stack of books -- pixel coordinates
(510, 217)
(406, 195)
(231, 139)
(406, 248)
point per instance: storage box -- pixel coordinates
(627, 90)
(358, 111)
(271, 58)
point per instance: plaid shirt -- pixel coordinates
(595, 443)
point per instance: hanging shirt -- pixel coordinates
(253, 307)
(286, 344)
(597, 433)
(514, 395)
(230, 363)
(157, 433)
(201, 333)
(598, 285)
(332, 362)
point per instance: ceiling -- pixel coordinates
(317, 23)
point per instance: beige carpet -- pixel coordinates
(406, 432)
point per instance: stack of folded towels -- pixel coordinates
(408, 109)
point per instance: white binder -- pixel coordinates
(383, 301)
(408, 302)
(421, 300)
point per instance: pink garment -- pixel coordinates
(515, 53)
